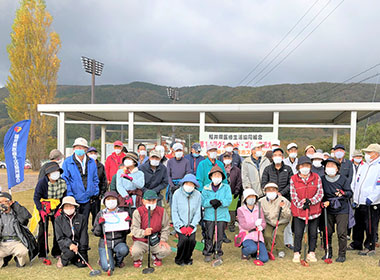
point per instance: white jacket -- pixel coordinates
(367, 183)
(292, 165)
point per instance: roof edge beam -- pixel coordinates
(341, 116)
(212, 117)
(149, 117)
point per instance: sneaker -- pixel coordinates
(296, 257)
(208, 258)
(244, 257)
(59, 263)
(137, 263)
(371, 253)
(281, 254)
(157, 262)
(290, 247)
(341, 259)
(363, 252)
(311, 257)
(120, 265)
(190, 262)
(350, 248)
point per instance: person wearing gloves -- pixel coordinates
(194, 157)
(129, 183)
(236, 159)
(251, 226)
(292, 160)
(116, 240)
(158, 231)
(306, 193)
(186, 214)
(114, 160)
(48, 196)
(253, 167)
(337, 193)
(366, 188)
(72, 235)
(271, 204)
(346, 168)
(216, 196)
(317, 164)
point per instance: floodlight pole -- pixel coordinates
(173, 94)
(92, 127)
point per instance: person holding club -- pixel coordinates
(186, 214)
(277, 214)
(155, 237)
(306, 194)
(251, 225)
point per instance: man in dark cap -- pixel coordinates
(194, 157)
(346, 168)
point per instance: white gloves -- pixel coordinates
(258, 222)
(259, 228)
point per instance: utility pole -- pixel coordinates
(173, 94)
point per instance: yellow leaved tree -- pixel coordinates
(33, 72)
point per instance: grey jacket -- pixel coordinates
(251, 176)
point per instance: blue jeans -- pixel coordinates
(119, 252)
(250, 247)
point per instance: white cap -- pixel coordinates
(271, 185)
(161, 150)
(80, 142)
(212, 146)
(317, 155)
(256, 145)
(177, 146)
(248, 192)
(276, 143)
(292, 145)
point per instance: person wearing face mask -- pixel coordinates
(177, 168)
(143, 155)
(155, 175)
(116, 240)
(366, 188)
(357, 162)
(346, 168)
(216, 196)
(317, 167)
(310, 150)
(306, 193)
(337, 193)
(72, 234)
(252, 227)
(114, 160)
(186, 214)
(54, 156)
(236, 159)
(48, 195)
(81, 175)
(205, 166)
(161, 150)
(194, 157)
(95, 201)
(129, 183)
(253, 168)
(158, 231)
(271, 204)
(292, 160)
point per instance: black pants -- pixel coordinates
(366, 223)
(185, 248)
(69, 256)
(299, 227)
(41, 238)
(84, 209)
(341, 222)
(94, 209)
(209, 238)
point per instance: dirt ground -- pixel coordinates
(30, 181)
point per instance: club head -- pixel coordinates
(304, 263)
(328, 261)
(258, 262)
(109, 272)
(95, 273)
(148, 270)
(217, 262)
(46, 262)
(271, 256)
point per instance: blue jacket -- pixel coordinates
(204, 168)
(186, 209)
(124, 185)
(223, 194)
(74, 182)
(191, 159)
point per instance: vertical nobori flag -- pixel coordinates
(15, 142)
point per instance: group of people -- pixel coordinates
(270, 196)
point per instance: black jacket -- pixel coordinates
(41, 191)
(319, 170)
(102, 178)
(234, 180)
(346, 169)
(329, 190)
(64, 234)
(281, 177)
(236, 159)
(157, 180)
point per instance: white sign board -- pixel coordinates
(116, 221)
(242, 140)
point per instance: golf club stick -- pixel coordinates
(257, 261)
(148, 269)
(93, 272)
(370, 224)
(109, 271)
(270, 254)
(218, 261)
(304, 261)
(46, 260)
(327, 259)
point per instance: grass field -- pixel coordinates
(356, 267)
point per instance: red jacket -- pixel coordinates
(112, 164)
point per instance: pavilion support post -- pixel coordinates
(131, 137)
(335, 137)
(61, 133)
(202, 121)
(103, 144)
(276, 121)
(354, 117)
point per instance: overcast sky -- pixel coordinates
(196, 42)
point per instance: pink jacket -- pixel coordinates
(247, 221)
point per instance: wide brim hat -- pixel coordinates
(69, 200)
(215, 169)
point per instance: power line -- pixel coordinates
(282, 60)
(354, 84)
(275, 47)
(373, 100)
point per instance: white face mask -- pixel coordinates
(277, 160)
(259, 153)
(111, 204)
(55, 175)
(339, 154)
(271, 195)
(305, 170)
(93, 156)
(229, 149)
(151, 205)
(368, 158)
(213, 155)
(310, 156)
(317, 163)
(154, 162)
(117, 151)
(128, 162)
(178, 154)
(292, 155)
(69, 212)
(250, 201)
(142, 153)
(188, 188)
(331, 171)
(358, 160)
(216, 180)
(227, 161)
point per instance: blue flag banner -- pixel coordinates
(15, 142)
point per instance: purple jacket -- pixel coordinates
(177, 169)
(247, 221)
